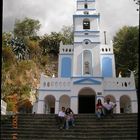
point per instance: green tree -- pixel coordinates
(50, 43)
(8, 56)
(24, 31)
(126, 42)
(67, 33)
(6, 39)
(34, 49)
(26, 27)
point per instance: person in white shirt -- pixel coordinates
(61, 118)
(108, 107)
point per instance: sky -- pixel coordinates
(53, 14)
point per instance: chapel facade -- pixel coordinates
(86, 71)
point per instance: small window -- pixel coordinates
(48, 84)
(86, 33)
(86, 24)
(44, 84)
(86, 42)
(125, 84)
(86, 12)
(86, 6)
(99, 93)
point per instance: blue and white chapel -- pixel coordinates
(86, 71)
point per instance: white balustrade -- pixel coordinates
(119, 83)
(55, 83)
(66, 49)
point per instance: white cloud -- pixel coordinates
(53, 14)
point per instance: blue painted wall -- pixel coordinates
(107, 67)
(66, 67)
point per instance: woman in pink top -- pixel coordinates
(99, 108)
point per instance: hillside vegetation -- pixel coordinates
(25, 56)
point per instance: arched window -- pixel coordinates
(86, 24)
(85, 6)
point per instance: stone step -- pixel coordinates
(72, 130)
(81, 127)
(77, 122)
(95, 124)
(92, 122)
(76, 115)
(92, 118)
(81, 119)
(85, 137)
(68, 136)
(74, 138)
(78, 119)
(114, 138)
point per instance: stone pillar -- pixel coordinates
(134, 106)
(56, 106)
(117, 107)
(34, 110)
(40, 108)
(74, 104)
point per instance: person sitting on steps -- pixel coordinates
(61, 118)
(69, 118)
(109, 107)
(99, 109)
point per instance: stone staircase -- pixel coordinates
(87, 127)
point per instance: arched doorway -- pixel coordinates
(64, 101)
(112, 99)
(125, 104)
(49, 106)
(86, 101)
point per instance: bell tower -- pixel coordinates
(86, 57)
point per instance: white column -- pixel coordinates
(74, 104)
(134, 106)
(34, 110)
(117, 107)
(56, 106)
(40, 108)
